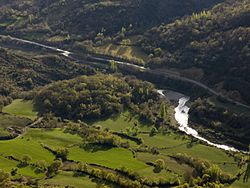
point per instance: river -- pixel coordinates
(182, 117)
(181, 111)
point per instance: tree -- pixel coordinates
(158, 52)
(25, 160)
(159, 165)
(47, 104)
(53, 168)
(4, 179)
(153, 131)
(30, 18)
(163, 112)
(113, 65)
(83, 166)
(214, 171)
(41, 165)
(14, 171)
(62, 153)
(111, 177)
(247, 173)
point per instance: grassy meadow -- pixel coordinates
(68, 179)
(21, 108)
(7, 121)
(129, 52)
(32, 141)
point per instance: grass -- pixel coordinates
(116, 158)
(21, 146)
(7, 165)
(67, 179)
(123, 121)
(171, 164)
(128, 52)
(53, 137)
(58, 38)
(112, 158)
(150, 174)
(7, 120)
(33, 35)
(169, 144)
(175, 144)
(240, 184)
(21, 108)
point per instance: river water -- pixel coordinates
(182, 117)
(181, 111)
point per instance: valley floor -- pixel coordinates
(32, 143)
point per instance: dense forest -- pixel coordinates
(84, 19)
(101, 96)
(23, 72)
(217, 41)
(124, 93)
(39, 70)
(220, 124)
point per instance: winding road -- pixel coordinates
(181, 111)
(165, 73)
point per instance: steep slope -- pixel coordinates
(216, 41)
(88, 17)
(22, 72)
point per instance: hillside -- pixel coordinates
(101, 96)
(121, 149)
(26, 71)
(66, 20)
(220, 124)
(124, 93)
(213, 44)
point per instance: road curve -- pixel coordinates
(156, 71)
(210, 90)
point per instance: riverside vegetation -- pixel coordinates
(79, 123)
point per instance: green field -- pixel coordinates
(21, 108)
(170, 163)
(10, 121)
(116, 158)
(122, 122)
(7, 165)
(54, 137)
(23, 146)
(7, 120)
(173, 144)
(127, 52)
(67, 179)
(112, 158)
(31, 144)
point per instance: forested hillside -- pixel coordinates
(23, 71)
(124, 93)
(101, 96)
(73, 19)
(217, 41)
(220, 124)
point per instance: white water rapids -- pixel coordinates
(182, 116)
